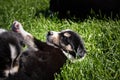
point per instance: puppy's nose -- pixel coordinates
(50, 33)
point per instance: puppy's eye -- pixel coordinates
(64, 40)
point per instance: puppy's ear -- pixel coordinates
(81, 51)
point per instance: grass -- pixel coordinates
(101, 37)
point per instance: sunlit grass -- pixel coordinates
(101, 38)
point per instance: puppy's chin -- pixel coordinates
(49, 41)
(51, 44)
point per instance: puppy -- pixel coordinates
(10, 51)
(68, 41)
(42, 59)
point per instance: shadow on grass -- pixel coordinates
(76, 17)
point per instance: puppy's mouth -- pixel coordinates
(52, 38)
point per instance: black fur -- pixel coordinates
(76, 42)
(7, 38)
(41, 64)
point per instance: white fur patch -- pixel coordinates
(11, 71)
(6, 73)
(13, 51)
(67, 34)
(14, 70)
(69, 56)
(77, 60)
(68, 47)
(2, 30)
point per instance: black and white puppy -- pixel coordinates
(10, 51)
(68, 41)
(42, 60)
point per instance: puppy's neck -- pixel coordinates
(52, 45)
(68, 55)
(71, 57)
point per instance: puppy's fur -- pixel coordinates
(41, 60)
(10, 51)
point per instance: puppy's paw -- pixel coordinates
(17, 27)
(2, 30)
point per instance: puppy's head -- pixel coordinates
(67, 40)
(10, 51)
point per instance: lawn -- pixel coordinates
(101, 38)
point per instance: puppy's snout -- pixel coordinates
(50, 33)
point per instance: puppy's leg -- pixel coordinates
(2, 30)
(28, 38)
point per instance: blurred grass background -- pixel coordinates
(101, 37)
